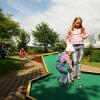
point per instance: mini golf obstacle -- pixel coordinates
(47, 88)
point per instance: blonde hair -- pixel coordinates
(81, 26)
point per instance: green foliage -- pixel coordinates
(23, 40)
(88, 51)
(92, 54)
(1, 15)
(60, 45)
(39, 50)
(95, 56)
(9, 44)
(45, 36)
(8, 27)
(32, 50)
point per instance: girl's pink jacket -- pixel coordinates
(76, 36)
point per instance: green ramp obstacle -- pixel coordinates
(47, 88)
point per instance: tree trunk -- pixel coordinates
(45, 47)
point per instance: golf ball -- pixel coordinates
(80, 86)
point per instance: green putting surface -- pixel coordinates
(88, 88)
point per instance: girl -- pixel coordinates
(76, 34)
(64, 58)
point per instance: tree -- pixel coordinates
(60, 45)
(44, 35)
(23, 40)
(1, 15)
(8, 29)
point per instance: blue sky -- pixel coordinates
(59, 14)
(20, 8)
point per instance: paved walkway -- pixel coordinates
(88, 68)
(13, 85)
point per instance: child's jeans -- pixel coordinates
(65, 77)
(77, 56)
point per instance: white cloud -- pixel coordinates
(97, 44)
(61, 14)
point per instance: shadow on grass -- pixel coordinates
(9, 64)
(48, 89)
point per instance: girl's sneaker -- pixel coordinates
(72, 78)
(69, 83)
(78, 77)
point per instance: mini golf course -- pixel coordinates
(47, 88)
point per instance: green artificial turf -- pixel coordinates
(88, 88)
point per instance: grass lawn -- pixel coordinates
(86, 61)
(9, 64)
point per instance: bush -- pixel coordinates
(88, 51)
(40, 51)
(95, 56)
(30, 52)
(92, 53)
